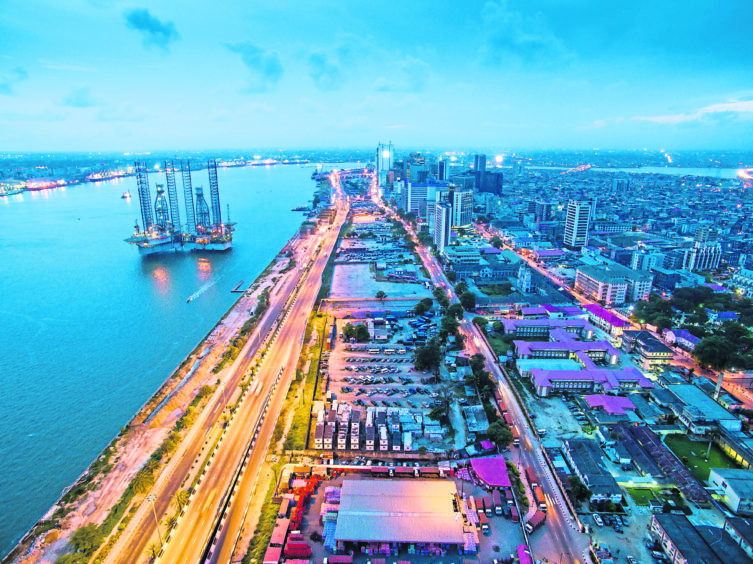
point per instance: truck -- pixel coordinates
(535, 522)
(483, 522)
(488, 507)
(514, 514)
(515, 437)
(508, 496)
(480, 507)
(538, 494)
(531, 477)
(497, 501)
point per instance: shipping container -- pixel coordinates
(483, 523)
(488, 507)
(497, 500)
(514, 514)
(535, 522)
(531, 477)
(538, 495)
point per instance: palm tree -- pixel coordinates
(181, 499)
(142, 482)
(153, 551)
(380, 295)
(171, 521)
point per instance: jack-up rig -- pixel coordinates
(162, 230)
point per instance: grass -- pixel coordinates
(329, 268)
(265, 525)
(641, 496)
(695, 451)
(499, 347)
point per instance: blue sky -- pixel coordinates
(502, 74)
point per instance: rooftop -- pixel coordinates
(740, 480)
(492, 470)
(614, 405)
(398, 511)
(609, 317)
(687, 540)
(692, 395)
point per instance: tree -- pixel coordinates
(428, 302)
(456, 311)
(181, 498)
(449, 325)
(461, 287)
(715, 351)
(441, 296)
(496, 242)
(349, 331)
(481, 322)
(362, 333)
(380, 295)
(500, 434)
(497, 326)
(143, 481)
(468, 300)
(477, 362)
(579, 490)
(420, 308)
(428, 356)
(437, 412)
(451, 275)
(87, 539)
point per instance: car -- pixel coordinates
(632, 560)
(598, 520)
(658, 556)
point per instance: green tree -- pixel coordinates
(461, 287)
(437, 412)
(496, 242)
(349, 331)
(481, 322)
(500, 434)
(181, 499)
(456, 311)
(497, 326)
(451, 275)
(579, 490)
(428, 356)
(441, 296)
(715, 351)
(87, 539)
(420, 308)
(449, 325)
(380, 295)
(477, 362)
(362, 333)
(143, 481)
(468, 300)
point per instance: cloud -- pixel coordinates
(9, 80)
(154, 32)
(408, 75)
(717, 112)
(79, 98)
(52, 65)
(264, 66)
(324, 72)
(510, 35)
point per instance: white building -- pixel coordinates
(577, 223)
(736, 486)
(442, 225)
(462, 207)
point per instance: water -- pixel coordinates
(90, 330)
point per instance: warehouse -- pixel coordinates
(399, 513)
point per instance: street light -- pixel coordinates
(151, 499)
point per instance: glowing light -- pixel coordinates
(745, 174)
(386, 154)
(499, 159)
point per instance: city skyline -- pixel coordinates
(98, 75)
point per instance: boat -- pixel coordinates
(126, 195)
(301, 208)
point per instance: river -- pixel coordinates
(90, 330)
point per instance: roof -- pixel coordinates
(609, 379)
(738, 479)
(527, 347)
(608, 316)
(492, 470)
(398, 511)
(614, 405)
(549, 252)
(694, 396)
(685, 334)
(742, 525)
(687, 540)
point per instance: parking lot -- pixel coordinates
(379, 375)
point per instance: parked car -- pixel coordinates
(598, 520)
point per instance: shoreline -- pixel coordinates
(29, 538)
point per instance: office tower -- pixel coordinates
(543, 210)
(385, 157)
(442, 167)
(577, 223)
(706, 252)
(417, 193)
(462, 207)
(491, 181)
(646, 260)
(479, 163)
(442, 224)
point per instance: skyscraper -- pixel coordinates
(385, 156)
(479, 170)
(577, 223)
(462, 207)
(442, 224)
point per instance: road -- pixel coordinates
(561, 541)
(133, 544)
(196, 528)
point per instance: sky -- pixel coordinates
(500, 74)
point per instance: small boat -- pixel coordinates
(301, 208)
(126, 195)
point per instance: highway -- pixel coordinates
(140, 533)
(194, 538)
(561, 540)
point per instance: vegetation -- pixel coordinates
(358, 332)
(243, 335)
(441, 296)
(468, 300)
(496, 242)
(500, 434)
(694, 452)
(517, 483)
(731, 346)
(264, 527)
(456, 310)
(503, 289)
(428, 356)
(423, 306)
(481, 322)
(579, 490)
(381, 295)
(451, 275)
(641, 496)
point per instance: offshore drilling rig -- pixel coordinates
(161, 229)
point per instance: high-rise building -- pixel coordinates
(442, 224)
(646, 260)
(479, 170)
(417, 193)
(543, 210)
(385, 157)
(462, 207)
(490, 181)
(577, 223)
(706, 252)
(442, 170)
